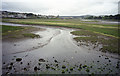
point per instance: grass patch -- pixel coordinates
(111, 30)
(19, 32)
(6, 28)
(109, 44)
(31, 35)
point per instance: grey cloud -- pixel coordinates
(64, 7)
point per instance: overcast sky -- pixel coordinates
(63, 7)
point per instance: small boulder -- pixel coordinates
(18, 59)
(41, 60)
(35, 68)
(56, 61)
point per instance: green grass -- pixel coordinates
(111, 30)
(6, 28)
(31, 35)
(109, 44)
(17, 32)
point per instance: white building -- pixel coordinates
(21, 16)
(11, 16)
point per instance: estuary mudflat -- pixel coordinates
(55, 52)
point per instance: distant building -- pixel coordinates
(21, 15)
(6, 14)
(10, 16)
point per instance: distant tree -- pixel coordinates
(57, 16)
(30, 14)
(108, 17)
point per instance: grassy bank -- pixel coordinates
(110, 30)
(18, 32)
(109, 44)
(6, 29)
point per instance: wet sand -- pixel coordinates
(55, 49)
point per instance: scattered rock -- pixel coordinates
(25, 69)
(84, 66)
(38, 68)
(87, 70)
(39, 63)
(21, 63)
(14, 68)
(63, 71)
(7, 73)
(80, 65)
(3, 62)
(117, 66)
(90, 66)
(47, 66)
(41, 60)
(35, 68)
(98, 61)
(53, 68)
(56, 61)
(10, 67)
(57, 65)
(11, 63)
(28, 64)
(71, 69)
(107, 58)
(18, 59)
(63, 66)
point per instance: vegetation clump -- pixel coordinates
(63, 71)
(63, 66)
(31, 35)
(84, 66)
(47, 66)
(71, 68)
(109, 44)
(6, 28)
(87, 70)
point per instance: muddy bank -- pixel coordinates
(55, 53)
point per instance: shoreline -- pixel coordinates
(64, 27)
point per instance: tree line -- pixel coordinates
(105, 17)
